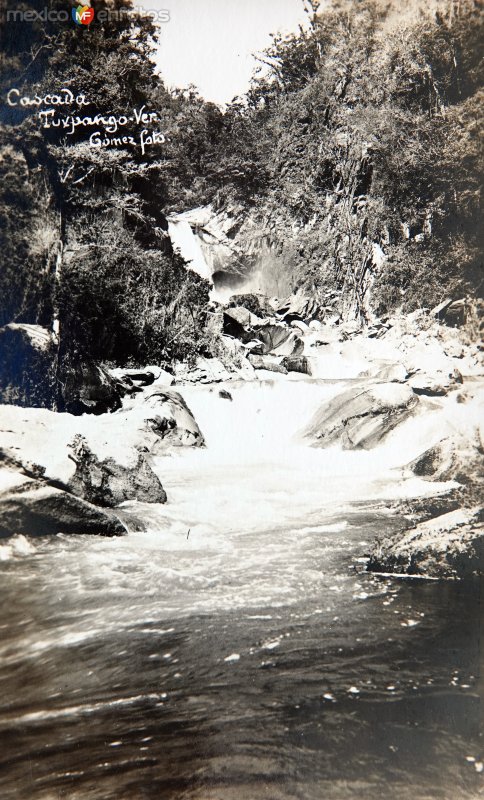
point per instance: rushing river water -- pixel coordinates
(237, 650)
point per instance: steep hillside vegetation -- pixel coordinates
(356, 158)
(359, 152)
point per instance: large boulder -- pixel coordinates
(104, 460)
(453, 458)
(173, 423)
(278, 339)
(448, 546)
(298, 307)
(297, 364)
(239, 322)
(108, 483)
(31, 376)
(39, 510)
(88, 388)
(267, 363)
(28, 356)
(361, 416)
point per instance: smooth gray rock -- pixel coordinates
(173, 423)
(41, 510)
(362, 416)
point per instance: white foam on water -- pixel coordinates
(255, 519)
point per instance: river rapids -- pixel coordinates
(236, 649)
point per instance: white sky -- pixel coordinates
(209, 42)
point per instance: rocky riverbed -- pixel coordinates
(75, 473)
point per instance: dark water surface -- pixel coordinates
(250, 658)
(368, 688)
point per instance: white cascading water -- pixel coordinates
(257, 475)
(188, 245)
(237, 635)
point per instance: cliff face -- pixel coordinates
(351, 168)
(235, 252)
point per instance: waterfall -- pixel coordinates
(188, 244)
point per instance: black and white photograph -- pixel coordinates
(241, 400)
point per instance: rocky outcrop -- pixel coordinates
(362, 416)
(40, 510)
(57, 471)
(448, 546)
(174, 424)
(88, 388)
(268, 363)
(27, 366)
(108, 483)
(30, 375)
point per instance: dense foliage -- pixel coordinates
(83, 228)
(361, 144)
(357, 152)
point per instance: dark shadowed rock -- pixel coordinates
(89, 389)
(225, 395)
(297, 364)
(362, 416)
(108, 483)
(40, 510)
(239, 322)
(27, 366)
(278, 339)
(452, 312)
